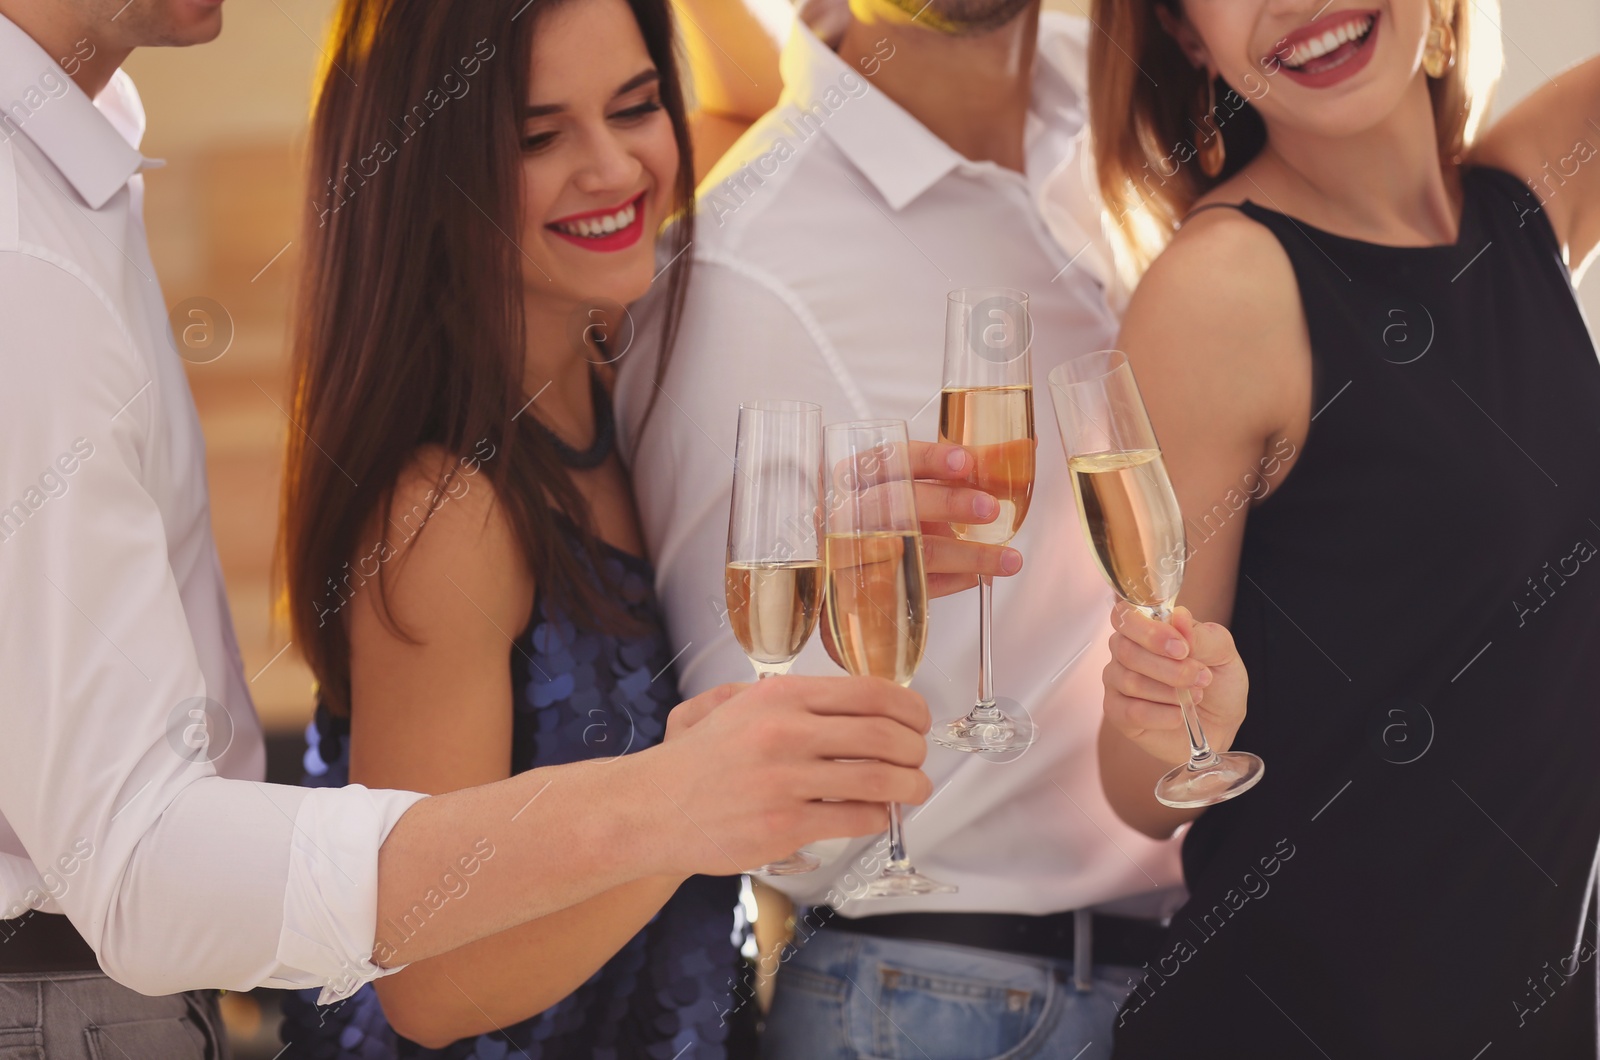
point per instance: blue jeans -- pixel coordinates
(846, 996)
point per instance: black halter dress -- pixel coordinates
(1419, 608)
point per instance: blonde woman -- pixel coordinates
(1377, 396)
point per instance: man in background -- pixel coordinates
(142, 861)
(919, 146)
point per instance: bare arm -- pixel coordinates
(733, 60)
(458, 590)
(780, 782)
(1217, 342)
(1552, 141)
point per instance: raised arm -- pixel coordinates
(732, 46)
(1552, 141)
(1217, 344)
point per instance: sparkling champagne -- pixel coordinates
(996, 423)
(773, 607)
(1131, 516)
(877, 602)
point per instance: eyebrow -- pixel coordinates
(638, 80)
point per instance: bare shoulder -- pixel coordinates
(448, 549)
(1217, 319)
(430, 632)
(1223, 279)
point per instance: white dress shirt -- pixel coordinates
(826, 242)
(150, 832)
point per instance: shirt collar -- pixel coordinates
(893, 150)
(95, 144)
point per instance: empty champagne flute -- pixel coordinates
(773, 579)
(1131, 517)
(986, 405)
(876, 599)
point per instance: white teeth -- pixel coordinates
(595, 227)
(1317, 47)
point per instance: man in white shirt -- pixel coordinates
(919, 146)
(135, 836)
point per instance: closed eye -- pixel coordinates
(639, 111)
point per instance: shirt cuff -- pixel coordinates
(330, 907)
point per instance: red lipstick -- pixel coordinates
(623, 237)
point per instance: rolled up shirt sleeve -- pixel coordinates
(113, 813)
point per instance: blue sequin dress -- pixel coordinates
(578, 694)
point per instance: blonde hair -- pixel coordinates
(1142, 105)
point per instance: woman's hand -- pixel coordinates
(1151, 661)
(944, 474)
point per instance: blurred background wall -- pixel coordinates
(230, 119)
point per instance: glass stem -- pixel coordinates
(1200, 753)
(899, 860)
(766, 670)
(985, 708)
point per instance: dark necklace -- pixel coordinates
(605, 432)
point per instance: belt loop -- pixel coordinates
(1083, 950)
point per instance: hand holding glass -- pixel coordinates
(773, 580)
(986, 405)
(877, 593)
(1131, 518)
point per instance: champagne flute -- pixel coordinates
(773, 580)
(877, 592)
(987, 405)
(1131, 517)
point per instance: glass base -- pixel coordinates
(905, 883)
(801, 861)
(1226, 775)
(977, 734)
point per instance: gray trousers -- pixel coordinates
(86, 1016)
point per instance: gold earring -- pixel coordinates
(1213, 153)
(1440, 53)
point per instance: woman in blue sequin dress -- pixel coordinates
(578, 694)
(527, 587)
(464, 568)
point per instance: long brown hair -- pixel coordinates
(1148, 117)
(411, 326)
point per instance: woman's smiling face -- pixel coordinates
(599, 158)
(1329, 69)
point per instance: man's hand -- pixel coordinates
(945, 473)
(785, 762)
(690, 711)
(1151, 661)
